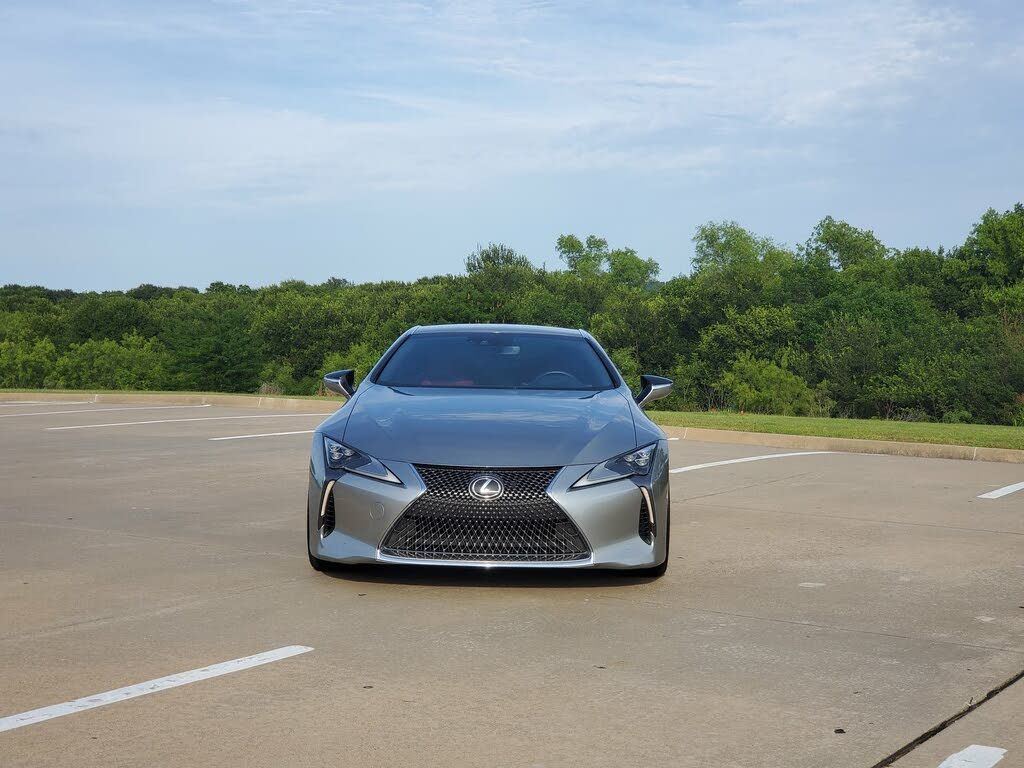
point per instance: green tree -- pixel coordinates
(917, 333)
(764, 387)
(733, 269)
(133, 363)
(26, 363)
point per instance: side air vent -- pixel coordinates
(645, 521)
(327, 511)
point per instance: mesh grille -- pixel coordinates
(523, 525)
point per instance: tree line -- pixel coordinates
(841, 325)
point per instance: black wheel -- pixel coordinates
(315, 562)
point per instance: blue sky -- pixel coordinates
(254, 141)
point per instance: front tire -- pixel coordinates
(316, 563)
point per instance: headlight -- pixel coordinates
(342, 457)
(636, 462)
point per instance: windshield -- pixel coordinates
(490, 360)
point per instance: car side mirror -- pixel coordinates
(341, 382)
(653, 388)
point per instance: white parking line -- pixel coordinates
(172, 421)
(974, 756)
(1006, 490)
(266, 434)
(99, 410)
(150, 686)
(746, 459)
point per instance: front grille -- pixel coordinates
(523, 525)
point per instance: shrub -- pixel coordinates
(25, 363)
(360, 357)
(957, 416)
(625, 361)
(277, 378)
(764, 387)
(133, 363)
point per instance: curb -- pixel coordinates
(848, 445)
(177, 398)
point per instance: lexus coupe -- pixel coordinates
(491, 445)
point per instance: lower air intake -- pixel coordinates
(327, 516)
(522, 525)
(645, 528)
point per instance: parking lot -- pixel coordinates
(820, 609)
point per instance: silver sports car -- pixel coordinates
(491, 445)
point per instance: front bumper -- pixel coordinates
(607, 516)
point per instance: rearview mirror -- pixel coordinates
(653, 388)
(341, 382)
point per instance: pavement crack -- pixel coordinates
(149, 537)
(815, 625)
(744, 487)
(937, 729)
(856, 519)
(168, 608)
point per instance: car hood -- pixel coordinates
(490, 428)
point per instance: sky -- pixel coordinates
(253, 141)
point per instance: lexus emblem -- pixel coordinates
(486, 487)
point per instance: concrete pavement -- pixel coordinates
(819, 610)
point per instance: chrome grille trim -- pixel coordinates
(326, 522)
(645, 523)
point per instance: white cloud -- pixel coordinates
(472, 90)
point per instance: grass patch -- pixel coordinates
(974, 435)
